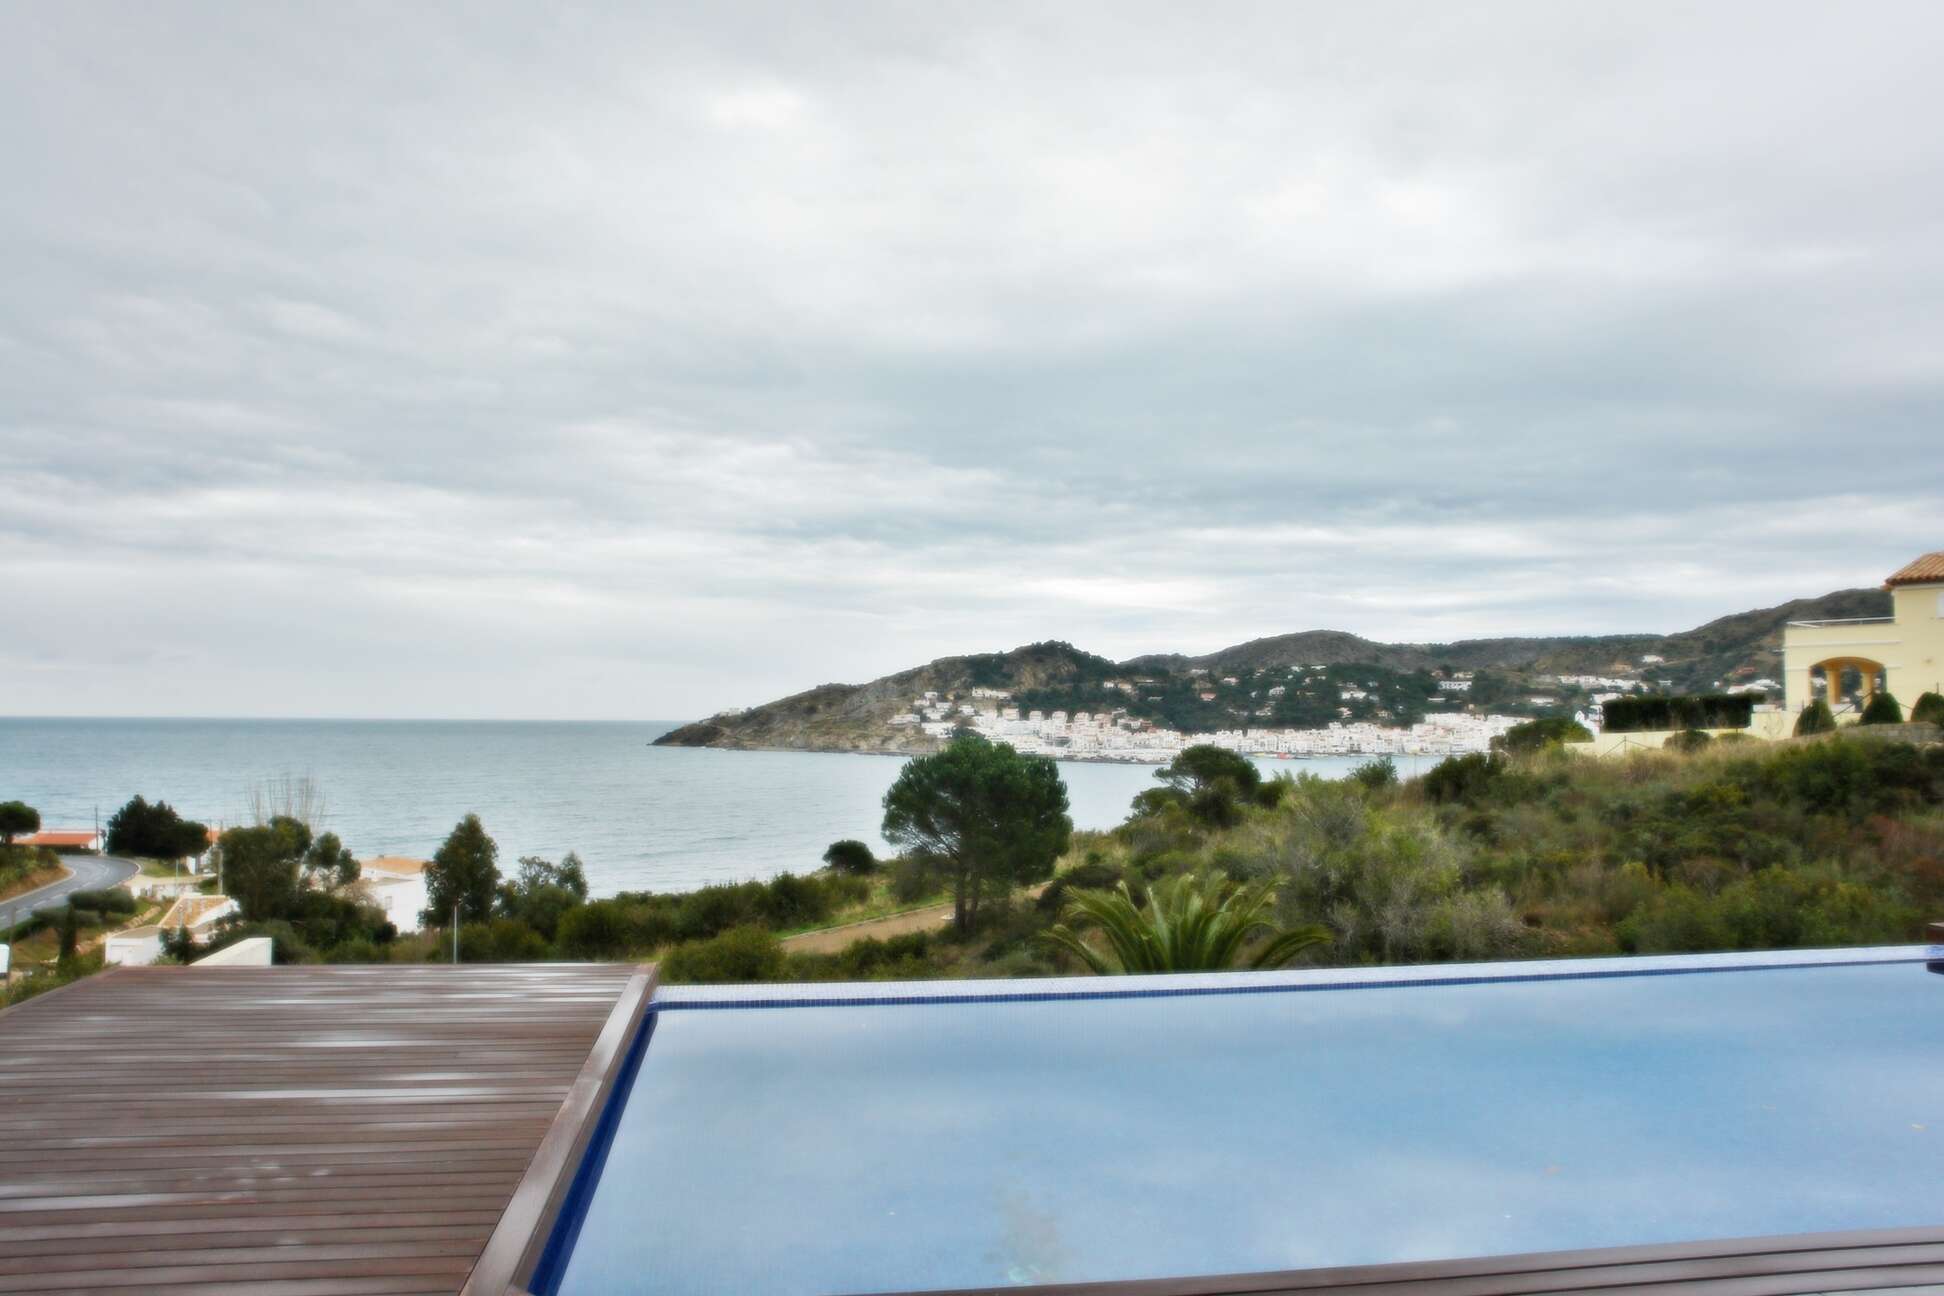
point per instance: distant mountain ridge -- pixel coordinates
(855, 717)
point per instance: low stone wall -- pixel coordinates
(254, 952)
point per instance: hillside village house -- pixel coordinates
(396, 885)
(1849, 660)
(62, 839)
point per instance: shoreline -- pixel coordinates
(1077, 759)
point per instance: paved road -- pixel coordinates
(91, 873)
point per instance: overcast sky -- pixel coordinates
(634, 361)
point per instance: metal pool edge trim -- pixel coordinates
(863, 994)
(527, 1226)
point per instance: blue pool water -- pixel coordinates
(872, 1146)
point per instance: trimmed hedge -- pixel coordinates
(1929, 709)
(1882, 709)
(1694, 711)
(1816, 718)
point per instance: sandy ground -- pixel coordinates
(830, 940)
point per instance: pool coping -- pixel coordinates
(514, 1250)
(1851, 1261)
(862, 993)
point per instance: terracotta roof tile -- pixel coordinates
(394, 864)
(1927, 570)
(58, 837)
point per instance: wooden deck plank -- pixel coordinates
(316, 1131)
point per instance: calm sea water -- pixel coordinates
(642, 817)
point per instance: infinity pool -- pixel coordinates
(823, 1139)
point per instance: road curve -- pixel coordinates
(90, 873)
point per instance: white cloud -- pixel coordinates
(718, 354)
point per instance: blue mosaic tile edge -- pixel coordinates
(863, 994)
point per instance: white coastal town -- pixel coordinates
(1117, 736)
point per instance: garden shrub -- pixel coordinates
(1697, 711)
(1816, 718)
(1929, 709)
(1882, 709)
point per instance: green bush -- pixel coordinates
(1772, 909)
(912, 879)
(850, 856)
(1376, 775)
(1698, 711)
(110, 900)
(502, 940)
(1882, 709)
(898, 958)
(1850, 779)
(741, 954)
(843, 890)
(1536, 735)
(1464, 779)
(1689, 741)
(1816, 718)
(1929, 709)
(595, 931)
(792, 901)
(1094, 875)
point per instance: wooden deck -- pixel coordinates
(302, 1130)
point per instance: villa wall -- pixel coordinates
(1909, 644)
(1920, 621)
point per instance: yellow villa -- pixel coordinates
(1848, 661)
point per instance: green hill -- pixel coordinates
(1295, 680)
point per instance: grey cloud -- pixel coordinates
(606, 340)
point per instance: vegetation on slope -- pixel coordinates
(1833, 841)
(1294, 681)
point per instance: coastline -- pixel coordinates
(1157, 758)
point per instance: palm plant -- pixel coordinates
(1188, 924)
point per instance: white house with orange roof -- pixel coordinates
(1844, 662)
(396, 884)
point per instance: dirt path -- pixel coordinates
(830, 940)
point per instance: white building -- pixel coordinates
(396, 885)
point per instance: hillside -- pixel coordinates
(1294, 680)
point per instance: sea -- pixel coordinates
(640, 817)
